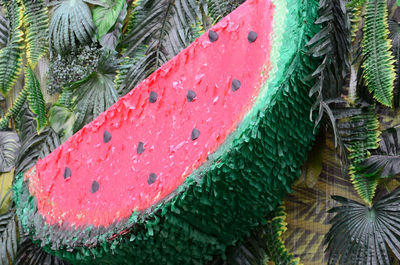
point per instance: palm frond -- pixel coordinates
(166, 27)
(11, 55)
(378, 66)
(35, 99)
(96, 93)
(363, 235)
(36, 24)
(333, 44)
(71, 25)
(8, 238)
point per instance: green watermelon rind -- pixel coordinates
(226, 198)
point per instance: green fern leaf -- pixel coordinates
(35, 98)
(4, 30)
(11, 55)
(273, 230)
(36, 23)
(379, 71)
(359, 133)
(14, 110)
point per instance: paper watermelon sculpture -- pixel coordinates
(193, 158)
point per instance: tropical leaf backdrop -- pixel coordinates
(63, 62)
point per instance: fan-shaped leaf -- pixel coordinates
(105, 17)
(362, 234)
(378, 66)
(9, 150)
(70, 25)
(36, 23)
(96, 93)
(35, 99)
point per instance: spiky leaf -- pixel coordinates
(36, 23)
(363, 235)
(71, 25)
(35, 99)
(378, 66)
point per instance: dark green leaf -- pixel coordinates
(105, 17)
(62, 121)
(362, 234)
(35, 99)
(9, 150)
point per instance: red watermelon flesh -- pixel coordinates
(140, 150)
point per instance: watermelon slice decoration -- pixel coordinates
(193, 158)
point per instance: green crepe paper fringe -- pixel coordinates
(225, 199)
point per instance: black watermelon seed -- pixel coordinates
(195, 134)
(252, 36)
(190, 95)
(153, 97)
(67, 172)
(95, 186)
(140, 149)
(212, 35)
(152, 178)
(236, 84)
(106, 137)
